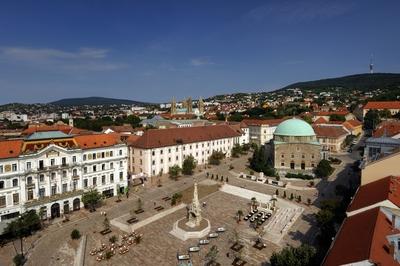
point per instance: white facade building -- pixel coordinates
(49, 171)
(261, 131)
(158, 149)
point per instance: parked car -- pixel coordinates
(204, 242)
(220, 229)
(194, 249)
(213, 235)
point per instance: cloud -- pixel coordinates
(299, 11)
(86, 59)
(201, 61)
(46, 53)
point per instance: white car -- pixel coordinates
(204, 242)
(213, 235)
(221, 229)
(194, 249)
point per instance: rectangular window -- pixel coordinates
(64, 161)
(161, 152)
(111, 153)
(84, 157)
(53, 190)
(41, 165)
(85, 183)
(94, 156)
(16, 198)
(111, 178)
(14, 167)
(30, 194)
(94, 168)
(52, 162)
(74, 159)
(120, 164)
(42, 192)
(1, 169)
(176, 158)
(103, 179)
(94, 181)
(53, 176)
(85, 170)
(64, 188)
(2, 201)
(103, 155)
(153, 153)
(64, 174)
(41, 178)
(120, 152)
(121, 176)
(111, 165)
(169, 150)
(103, 167)
(28, 166)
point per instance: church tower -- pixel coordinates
(201, 106)
(173, 106)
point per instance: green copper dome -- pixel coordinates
(294, 127)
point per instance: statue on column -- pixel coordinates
(194, 210)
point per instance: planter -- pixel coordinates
(132, 220)
(105, 231)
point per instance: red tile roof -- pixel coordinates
(388, 128)
(362, 237)
(10, 148)
(259, 122)
(323, 113)
(383, 105)
(329, 131)
(375, 192)
(63, 128)
(154, 138)
(97, 140)
(320, 120)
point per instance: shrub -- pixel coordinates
(75, 234)
(299, 175)
(19, 260)
(113, 239)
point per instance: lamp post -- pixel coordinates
(20, 233)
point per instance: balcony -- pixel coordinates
(30, 185)
(48, 199)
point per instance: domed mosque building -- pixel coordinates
(295, 147)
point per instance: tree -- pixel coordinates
(301, 256)
(22, 227)
(324, 169)
(260, 162)
(371, 119)
(212, 254)
(75, 234)
(91, 199)
(236, 151)
(239, 214)
(174, 172)
(336, 117)
(216, 157)
(189, 164)
(106, 223)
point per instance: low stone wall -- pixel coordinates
(185, 235)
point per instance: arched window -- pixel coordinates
(74, 172)
(15, 182)
(29, 180)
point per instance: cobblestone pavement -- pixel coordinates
(48, 249)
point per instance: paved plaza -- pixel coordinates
(53, 246)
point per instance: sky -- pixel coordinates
(154, 50)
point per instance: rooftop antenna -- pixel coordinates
(371, 64)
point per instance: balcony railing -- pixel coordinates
(47, 199)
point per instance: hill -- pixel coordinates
(361, 81)
(96, 101)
